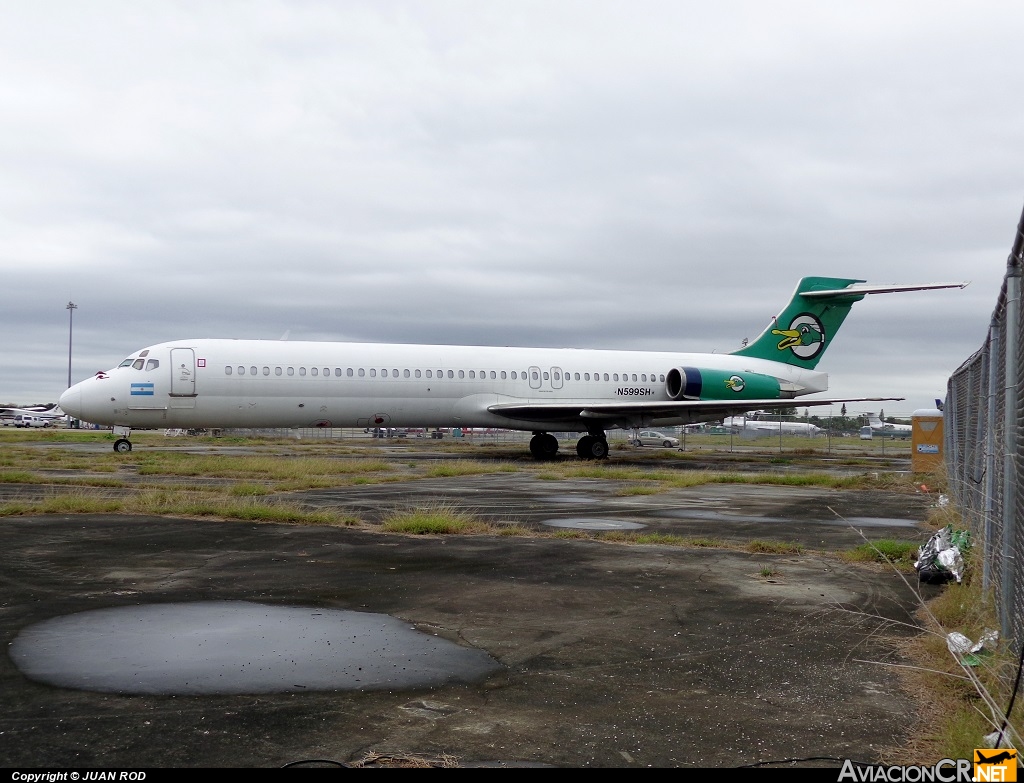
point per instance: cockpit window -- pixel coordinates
(152, 364)
(138, 364)
(126, 363)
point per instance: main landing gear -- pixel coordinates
(593, 446)
(544, 446)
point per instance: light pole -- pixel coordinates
(71, 317)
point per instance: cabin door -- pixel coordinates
(183, 372)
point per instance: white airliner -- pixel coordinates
(765, 426)
(258, 383)
(879, 427)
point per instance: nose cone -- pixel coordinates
(71, 401)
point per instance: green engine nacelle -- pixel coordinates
(691, 383)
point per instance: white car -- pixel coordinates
(24, 420)
(652, 438)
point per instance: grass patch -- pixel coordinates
(433, 521)
(639, 490)
(899, 553)
(775, 547)
(459, 467)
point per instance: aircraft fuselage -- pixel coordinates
(254, 383)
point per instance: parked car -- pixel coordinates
(24, 420)
(653, 438)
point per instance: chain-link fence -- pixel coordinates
(983, 418)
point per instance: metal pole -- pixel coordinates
(71, 317)
(1010, 452)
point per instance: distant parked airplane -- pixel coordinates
(766, 426)
(879, 427)
(49, 413)
(256, 383)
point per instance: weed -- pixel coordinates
(898, 553)
(775, 547)
(432, 521)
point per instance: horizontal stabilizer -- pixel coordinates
(862, 290)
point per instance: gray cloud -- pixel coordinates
(644, 175)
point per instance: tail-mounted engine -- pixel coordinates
(691, 383)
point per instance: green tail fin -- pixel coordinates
(800, 334)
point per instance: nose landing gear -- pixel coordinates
(122, 445)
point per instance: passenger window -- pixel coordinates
(384, 373)
(362, 372)
(314, 371)
(252, 371)
(327, 371)
(430, 374)
(138, 364)
(643, 377)
(503, 375)
(472, 374)
(266, 371)
(451, 374)
(576, 376)
(152, 364)
(373, 372)
(514, 378)
(227, 371)
(291, 371)
(277, 371)
(241, 371)
(348, 372)
(586, 376)
(462, 374)
(302, 371)
(394, 373)
(634, 377)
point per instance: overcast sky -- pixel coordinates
(638, 175)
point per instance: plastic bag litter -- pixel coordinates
(941, 557)
(970, 653)
(958, 644)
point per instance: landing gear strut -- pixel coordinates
(543, 445)
(593, 446)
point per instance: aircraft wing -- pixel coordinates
(638, 413)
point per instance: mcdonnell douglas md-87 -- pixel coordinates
(264, 383)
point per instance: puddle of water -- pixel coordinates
(874, 522)
(583, 523)
(239, 647)
(712, 516)
(719, 516)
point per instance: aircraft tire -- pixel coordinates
(583, 446)
(122, 445)
(544, 446)
(598, 448)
